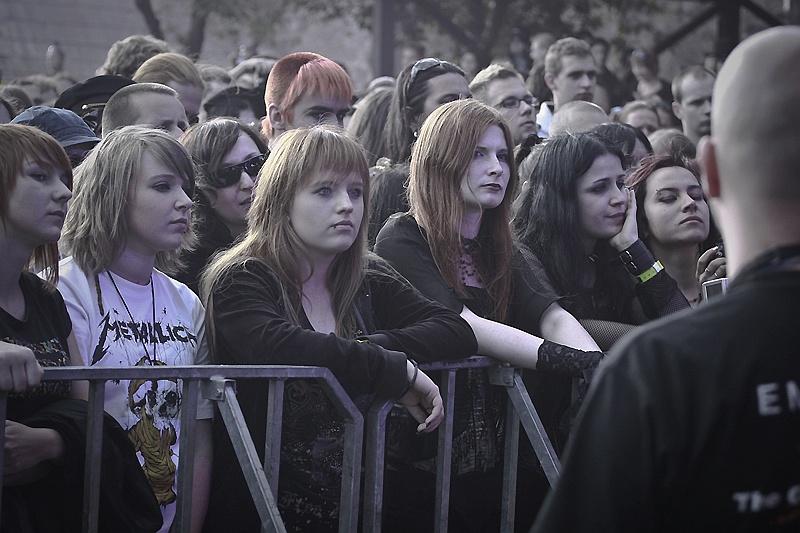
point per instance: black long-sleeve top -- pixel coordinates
(251, 326)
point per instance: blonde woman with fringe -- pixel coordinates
(301, 289)
(128, 220)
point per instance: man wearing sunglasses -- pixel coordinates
(504, 89)
(305, 89)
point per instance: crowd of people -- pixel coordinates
(544, 213)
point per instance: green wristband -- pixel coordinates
(651, 272)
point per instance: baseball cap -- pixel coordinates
(65, 126)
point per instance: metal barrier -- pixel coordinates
(520, 409)
(217, 384)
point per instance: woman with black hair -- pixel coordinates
(578, 222)
(675, 222)
(420, 89)
(228, 155)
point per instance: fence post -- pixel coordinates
(223, 392)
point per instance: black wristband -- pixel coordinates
(636, 258)
(413, 379)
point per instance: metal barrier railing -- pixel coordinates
(217, 384)
(520, 409)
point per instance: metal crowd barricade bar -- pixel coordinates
(216, 383)
(520, 410)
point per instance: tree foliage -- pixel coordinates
(255, 19)
(484, 26)
(479, 26)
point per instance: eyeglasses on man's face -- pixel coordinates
(512, 102)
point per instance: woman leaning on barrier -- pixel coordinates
(300, 289)
(578, 223)
(455, 245)
(45, 424)
(126, 224)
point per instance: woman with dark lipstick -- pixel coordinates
(578, 223)
(674, 221)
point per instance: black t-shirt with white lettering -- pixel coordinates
(693, 423)
(44, 330)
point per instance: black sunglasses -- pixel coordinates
(231, 174)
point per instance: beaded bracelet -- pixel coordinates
(413, 378)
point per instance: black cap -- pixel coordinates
(96, 90)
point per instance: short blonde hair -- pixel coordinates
(169, 67)
(96, 228)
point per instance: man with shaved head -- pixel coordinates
(693, 424)
(577, 116)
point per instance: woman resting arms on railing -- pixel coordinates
(578, 224)
(44, 445)
(300, 289)
(127, 221)
(455, 246)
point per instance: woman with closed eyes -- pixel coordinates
(578, 224)
(675, 222)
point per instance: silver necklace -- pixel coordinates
(152, 333)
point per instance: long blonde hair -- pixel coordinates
(439, 160)
(271, 239)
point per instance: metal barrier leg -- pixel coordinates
(223, 392)
(374, 461)
(94, 440)
(272, 447)
(510, 457)
(444, 456)
(353, 443)
(183, 513)
(3, 400)
(523, 405)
